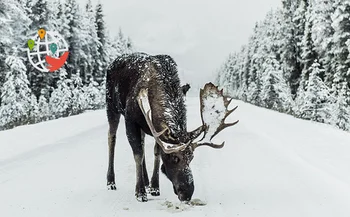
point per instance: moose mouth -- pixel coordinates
(181, 193)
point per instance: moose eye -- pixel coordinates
(176, 159)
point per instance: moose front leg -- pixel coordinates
(154, 190)
(136, 140)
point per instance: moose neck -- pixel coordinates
(167, 105)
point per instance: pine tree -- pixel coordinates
(322, 30)
(79, 101)
(61, 98)
(123, 44)
(244, 75)
(341, 25)
(75, 38)
(15, 95)
(34, 110)
(308, 54)
(13, 23)
(226, 71)
(90, 48)
(301, 17)
(253, 83)
(322, 33)
(93, 95)
(316, 101)
(43, 108)
(341, 115)
(275, 92)
(289, 49)
(102, 58)
(39, 16)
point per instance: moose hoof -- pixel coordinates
(154, 191)
(111, 186)
(141, 197)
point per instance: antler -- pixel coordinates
(144, 105)
(213, 113)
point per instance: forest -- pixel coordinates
(296, 62)
(29, 96)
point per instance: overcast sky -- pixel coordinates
(198, 34)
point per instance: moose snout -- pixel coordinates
(184, 192)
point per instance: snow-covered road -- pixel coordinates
(272, 165)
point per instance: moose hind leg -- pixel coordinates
(136, 140)
(154, 189)
(113, 126)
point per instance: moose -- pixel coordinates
(146, 90)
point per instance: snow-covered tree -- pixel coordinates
(102, 59)
(308, 42)
(289, 45)
(93, 95)
(308, 53)
(315, 102)
(341, 24)
(15, 95)
(39, 15)
(254, 53)
(61, 98)
(79, 101)
(123, 44)
(322, 31)
(13, 23)
(91, 50)
(275, 93)
(90, 47)
(34, 110)
(102, 89)
(43, 108)
(341, 111)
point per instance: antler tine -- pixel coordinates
(196, 133)
(196, 145)
(142, 100)
(230, 111)
(223, 126)
(227, 101)
(149, 121)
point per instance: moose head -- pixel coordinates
(177, 152)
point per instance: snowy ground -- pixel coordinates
(272, 165)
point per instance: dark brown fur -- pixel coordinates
(126, 76)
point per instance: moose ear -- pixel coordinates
(185, 88)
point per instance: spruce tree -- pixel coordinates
(13, 24)
(61, 98)
(43, 108)
(102, 59)
(341, 114)
(289, 48)
(79, 101)
(34, 110)
(341, 25)
(308, 54)
(316, 101)
(275, 93)
(15, 95)
(90, 48)
(93, 95)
